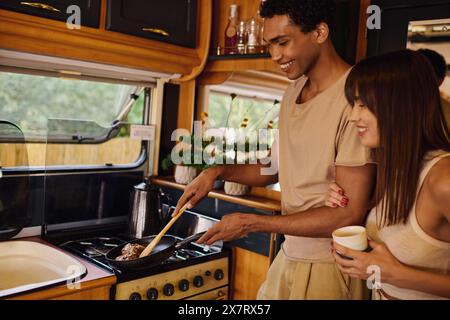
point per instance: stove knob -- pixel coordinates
(152, 294)
(183, 285)
(198, 281)
(218, 274)
(135, 296)
(169, 290)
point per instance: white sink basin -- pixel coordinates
(26, 265)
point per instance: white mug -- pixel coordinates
(352, 237)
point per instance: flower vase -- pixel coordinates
(235, 189)
(184, 174)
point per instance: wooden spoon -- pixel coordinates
(158, 238)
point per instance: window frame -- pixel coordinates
(139, 162)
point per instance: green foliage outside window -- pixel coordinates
(29, 100)
(225, 112)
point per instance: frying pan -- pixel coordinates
(165, 248)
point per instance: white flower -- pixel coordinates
(263, 154)
(241, 157)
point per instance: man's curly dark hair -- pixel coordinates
(307, 14)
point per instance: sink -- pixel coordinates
(26, 265)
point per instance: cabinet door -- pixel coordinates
(172, 21)
(57, 9)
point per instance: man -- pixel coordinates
(315, 135)
(440, 68)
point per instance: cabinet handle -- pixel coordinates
(157, 31)
(40, 6)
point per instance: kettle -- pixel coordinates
(146, 214)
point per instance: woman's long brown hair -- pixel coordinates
(401, 89)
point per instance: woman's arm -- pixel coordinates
(433, 283)
(392, 271)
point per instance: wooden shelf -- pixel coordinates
(247, 9)
(247, 200)
(238, 56)
(242, 64)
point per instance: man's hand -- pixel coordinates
(231, 227)
(197, 189)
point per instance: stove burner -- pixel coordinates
(95, 249)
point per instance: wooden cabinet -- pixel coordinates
(249, 272)
(97, 290)
(172, 21)
(32, 34)
(57, 9)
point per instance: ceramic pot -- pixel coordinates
(235, 189)
(184, 175)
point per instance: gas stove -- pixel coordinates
(195, 272)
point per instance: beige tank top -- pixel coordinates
(410, 244)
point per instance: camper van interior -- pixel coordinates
(111, 111)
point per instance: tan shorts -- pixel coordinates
(292, 280)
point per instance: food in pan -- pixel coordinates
(130, 252)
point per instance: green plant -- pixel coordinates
(196, 159)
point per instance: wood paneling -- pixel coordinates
(249, 272)
(261, 79)
(101, 293)
(117, 151)
(186, 105)
(213, 78)
(98, 291)
(205, 29)
(259, 64)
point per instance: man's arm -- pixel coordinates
(316, 223)
(248, 174)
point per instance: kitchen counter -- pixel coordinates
(94, 285)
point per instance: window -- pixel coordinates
(243, 107)
(33, 102)
(224, 111)
(30, 100)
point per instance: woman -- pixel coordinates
(397, 112)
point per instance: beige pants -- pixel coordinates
(291, 280)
